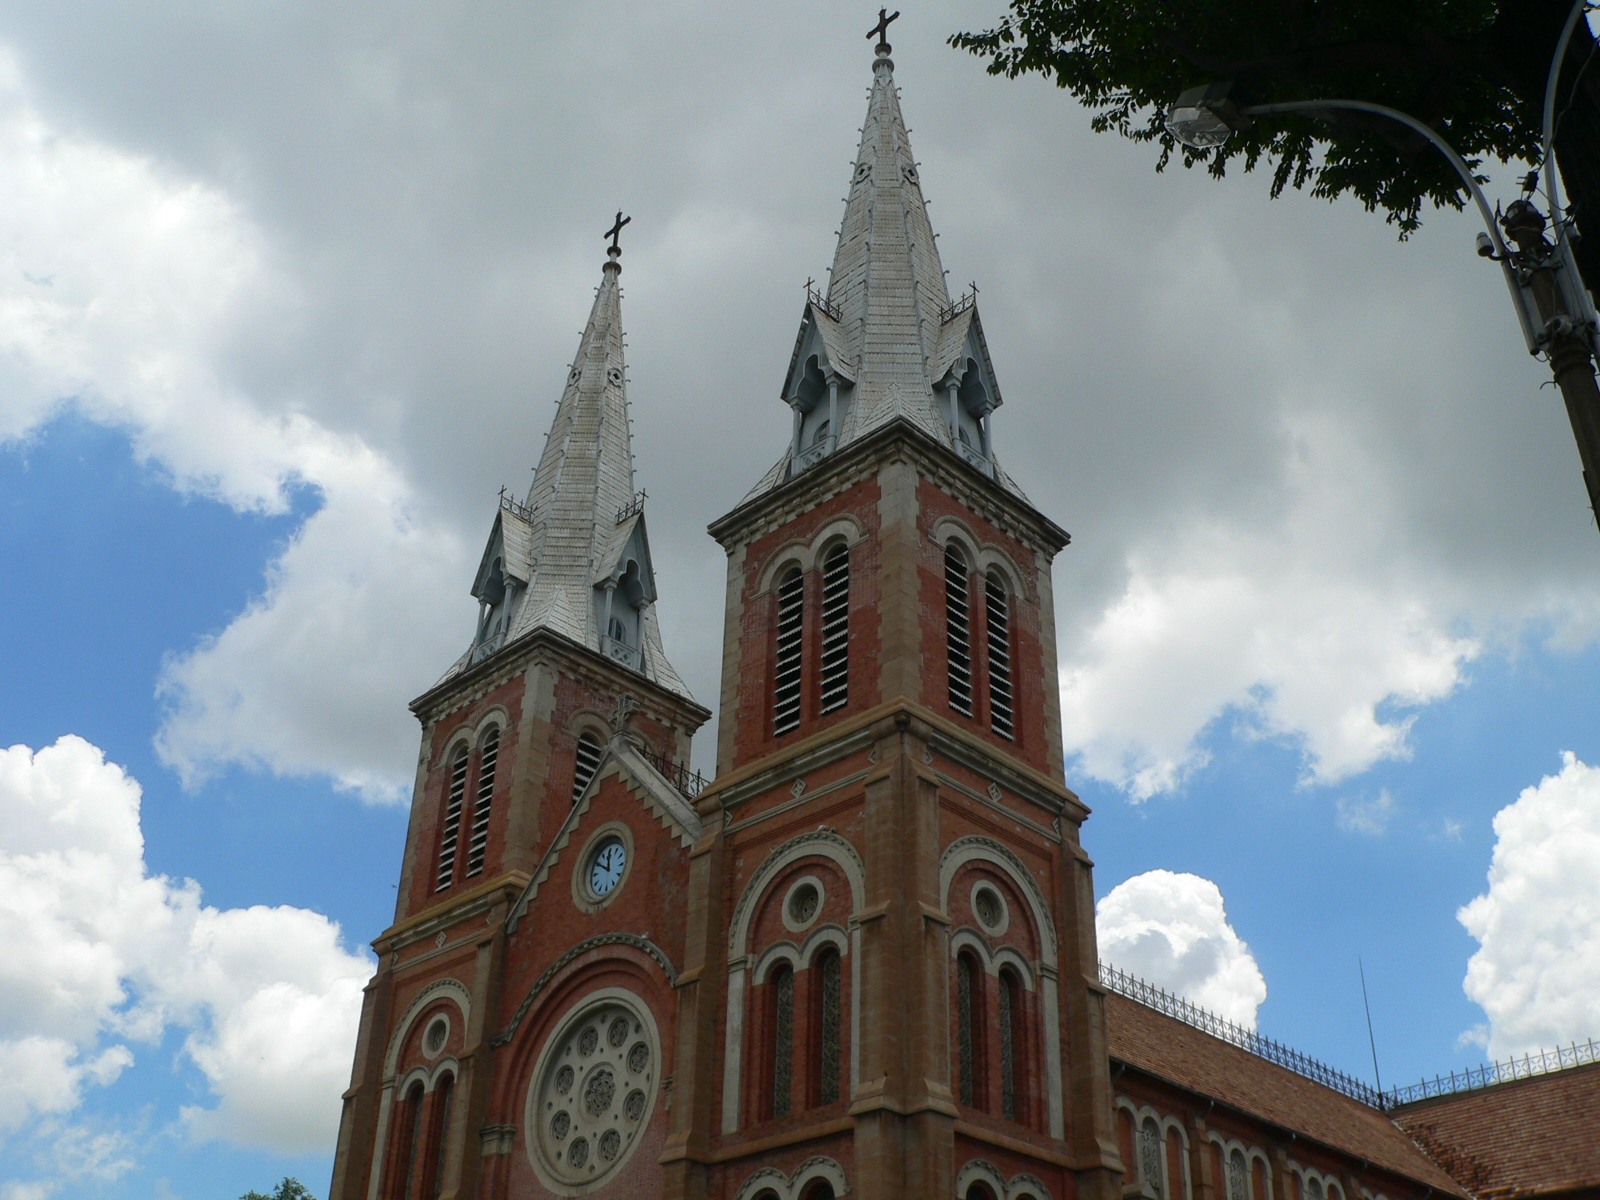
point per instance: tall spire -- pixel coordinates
(886, 342)
(574, 557)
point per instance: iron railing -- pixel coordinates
(676, 773)
(633, 507)
(1529, 1065)
(510, 502)
(821, 301)
(962, 303)
(1249, 1040)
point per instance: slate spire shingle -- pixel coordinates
(575, 557)
(886, 341)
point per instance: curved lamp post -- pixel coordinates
(1553, 308)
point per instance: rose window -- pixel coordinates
(593, 1094)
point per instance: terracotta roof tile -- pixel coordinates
(1520, 1138)
(1167, 1048)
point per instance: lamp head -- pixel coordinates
(1203, 117)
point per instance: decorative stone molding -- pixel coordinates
(632, 940)
(788, 1187)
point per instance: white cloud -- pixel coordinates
(1367, 814)
(1171, 929)
(99, 953)
(123, 291)
(1537, 969)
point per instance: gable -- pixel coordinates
(820, 339)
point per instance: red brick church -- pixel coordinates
(861, 960)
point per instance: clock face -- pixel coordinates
(605, 870)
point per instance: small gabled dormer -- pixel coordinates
(501, 581)
(818, 387)
(965, 389)
(624, 589)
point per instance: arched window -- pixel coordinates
(588, 762)
(432, 1177)
(821, 434)
(782, 1040)
(958, 629)
(980, 1190)
(452, 819)
(1152, 1152)
(1238, 1177)
(1313, 1188)
(1008, 1045)
(408, 1131)
(820, 1190)
(1002, 718)
(786, 667)
(827, 1026)
(488, 758)
(969, 1029)
(836, 629)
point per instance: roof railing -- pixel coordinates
(963, 302)
(676, 773)
(1542, 1063)
(1205, 1021)
(511, 504)
(633, 507)
(821, 301)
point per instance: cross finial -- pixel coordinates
(881, 29)
(615, 232)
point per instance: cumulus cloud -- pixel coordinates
(1172, 930)
(102, 956)
(1537, 968)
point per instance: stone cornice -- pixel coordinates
(546, 645)
(450, 910)
(861, 459)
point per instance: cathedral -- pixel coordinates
(860, 960)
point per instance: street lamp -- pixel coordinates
(1553, 308)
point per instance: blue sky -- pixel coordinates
(288, 298)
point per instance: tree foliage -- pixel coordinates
(290, 1189)
(1474, 70)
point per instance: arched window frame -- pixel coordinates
(971, 1059)
(430, 1178)
(827, 1061)
(781, 986)
(1011, 1032)
(408, 1132)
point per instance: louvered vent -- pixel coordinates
(836, 629)
(1001, 714)
(958, 630)
(786, 670)
(452, 820)
(589, 752)
(487, 759)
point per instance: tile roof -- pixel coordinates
(1522, 1138)
(1167, 1048)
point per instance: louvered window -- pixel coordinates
(452, 819)
(488, 757)
(828, 1057)
(1001, 714)
(589, 753)
(1152, 1150)
(958, 629)
(1008, 1046)
(836, 629)
(782, 1040)
(786, 668)
(966, 1047)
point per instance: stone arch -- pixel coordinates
(993, 960)
(1024, 1185)
(823, 843)
(949, 529)
(440, 989)
(773, 955)
(790, 1187)
(824, 935)
(790, 554)
(844, 528)
(992, 558)
(977, 848)
(980, 1170)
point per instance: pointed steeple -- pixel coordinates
(886, 342)
(575, 557)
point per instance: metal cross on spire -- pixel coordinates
(881, 29)
(615, 231)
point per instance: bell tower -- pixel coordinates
(557, 744)
(891, 984)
